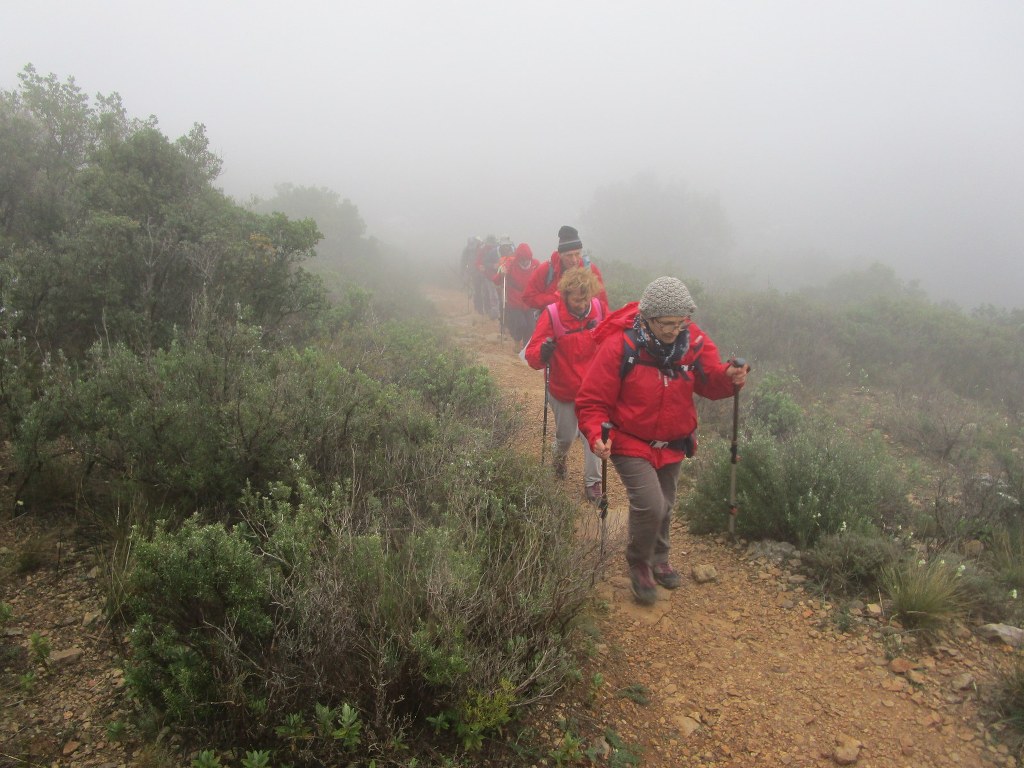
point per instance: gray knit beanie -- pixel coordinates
(666, 297)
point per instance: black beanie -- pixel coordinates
(568, 239)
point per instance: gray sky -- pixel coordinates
(859, 130)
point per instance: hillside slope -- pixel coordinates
(748, 669)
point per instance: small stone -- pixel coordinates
(847, 750)
(702, 574)
(1012, 636)
(974, 548)
(686, 725)
(906, 745)
(962, 682)
(900, 666)
(916, 677)
(65, 657)
(600, 748)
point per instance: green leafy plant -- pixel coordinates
(206, 759)
(294, 730)
(596, 683)
(27, 682)
(568, 751)
(482, 714)
(116, 730)
(39, 649)
(622, 754)
(439, 722)
(256, 759)
(348, 730)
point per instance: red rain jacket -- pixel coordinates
(516, 271)
(540, 292)
(573, 351)
(646, 405)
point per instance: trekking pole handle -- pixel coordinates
(739, 362)
(606, 428)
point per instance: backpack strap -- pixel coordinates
(556, 321)
(630, 352)
(596, 316)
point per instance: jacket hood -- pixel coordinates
(617, 321)
(523, 252)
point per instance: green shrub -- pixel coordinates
(1010, 696)
(925, 594)
(797, 489)
(851, 562)
(201, 604)
(462, 609)
(774, 407)
(1007, 556)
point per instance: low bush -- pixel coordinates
(1010, 697)
(925, 593)
(813, 483)
(461, 612)
(851, 562)
(773, 406)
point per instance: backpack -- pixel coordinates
(551, 271)
(596, 316)
(631, 358)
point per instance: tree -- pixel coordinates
(339, 220)
(113, 231)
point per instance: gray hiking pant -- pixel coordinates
(566, 430)
(652, 495)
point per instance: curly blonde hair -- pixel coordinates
(579, 279)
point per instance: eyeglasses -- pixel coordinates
(671, 327)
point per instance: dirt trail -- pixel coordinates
(750, 669)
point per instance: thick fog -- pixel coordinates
(829, 133)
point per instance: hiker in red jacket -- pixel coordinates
(563, 343)
(543, 286)
(650, 362)
(513, 273)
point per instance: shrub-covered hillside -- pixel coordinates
(309, 522)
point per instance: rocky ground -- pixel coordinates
(744, 666)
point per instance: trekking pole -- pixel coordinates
(501, 327)
(738, 362)
(602, 505)
(544, 432)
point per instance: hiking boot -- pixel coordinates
(559, 463)
(594, 493)
(644, 589)
(667, 576)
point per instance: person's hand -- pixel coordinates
(602, 448)
(737, 371)
(547, 349)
